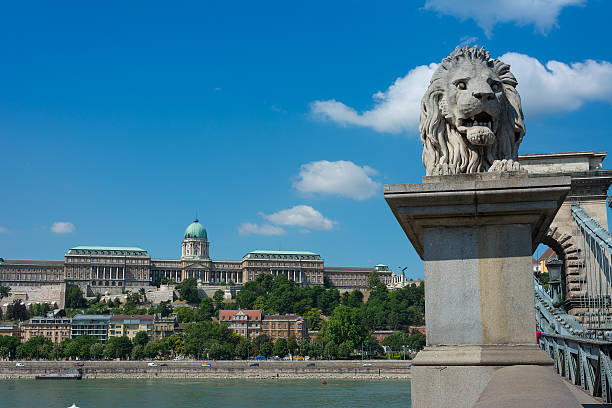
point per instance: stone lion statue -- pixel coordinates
(471, 117)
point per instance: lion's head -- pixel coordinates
(470, 115)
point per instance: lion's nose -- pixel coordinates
(483, 96)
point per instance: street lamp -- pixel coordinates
(554, 280)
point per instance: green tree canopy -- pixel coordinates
(74, 298)
(5, 291)
(188, 290)
(266, 349)
(280, 348)
(118, 347)
(141, 339)
(345, 324)
(17, 311)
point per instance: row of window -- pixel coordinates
(34, 270)
(40, 277)
(108, 260)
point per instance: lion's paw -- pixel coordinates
(505, 165)
(443, 169)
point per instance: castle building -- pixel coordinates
(113, 270)
(101, 266)
(30, 273)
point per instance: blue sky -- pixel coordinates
(119, 122)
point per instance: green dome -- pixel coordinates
(196, 230)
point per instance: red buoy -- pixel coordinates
(324, 382)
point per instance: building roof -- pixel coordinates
(196, 230)
(91, 317)
(132, 317)
(106, 250)
(33, 262)
(347, 269)
(229, 314)
(261, 251)
(283, 317)
(547, 255)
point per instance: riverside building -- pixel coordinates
(127, 325)
(56, 329)
(93, 325)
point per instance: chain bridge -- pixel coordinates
(573, 309)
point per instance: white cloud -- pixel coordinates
(248, 228)
(550, 88)
(343, 178)
(542, 14)
(559, 87)
(395, 109)
(3, 230)
(62, 227)
(301, 216)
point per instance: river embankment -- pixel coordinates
(322, 369)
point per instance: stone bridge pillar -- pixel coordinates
(589, 189)
(476, 234)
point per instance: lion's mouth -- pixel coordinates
(481, 119)
(478, 129)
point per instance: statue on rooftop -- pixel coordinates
(471, 117)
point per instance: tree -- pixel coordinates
(345, 324)
(118, 347)
(292, 344)
(206, 308)
(280, 348)
(266, 349)
(141, 339)
(201, 336)
(138, 352)
(243, 348)
(75, 299)
(17, 311)
(188, 290)
(40, 309)
(373, 279)
(218, 299)
(36, 347)
(261, 339)
(345, 349)
(96, 351)
(5, 291)
(8, 344)
(313, 319)
(331, 350)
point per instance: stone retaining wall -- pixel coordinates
(218, 369)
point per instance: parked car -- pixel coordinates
(78, 364)
(206, 365)
(367, 364)
(254, 365)
(310, 365)
(163, 365)
(19, 365)
(152, 365)
(260, 358)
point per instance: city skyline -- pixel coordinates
(277, 125)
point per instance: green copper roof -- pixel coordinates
(259, 251)
(108, 248)
(196, 230)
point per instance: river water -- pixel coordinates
(214, 393)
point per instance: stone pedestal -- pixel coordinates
(476, 234)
